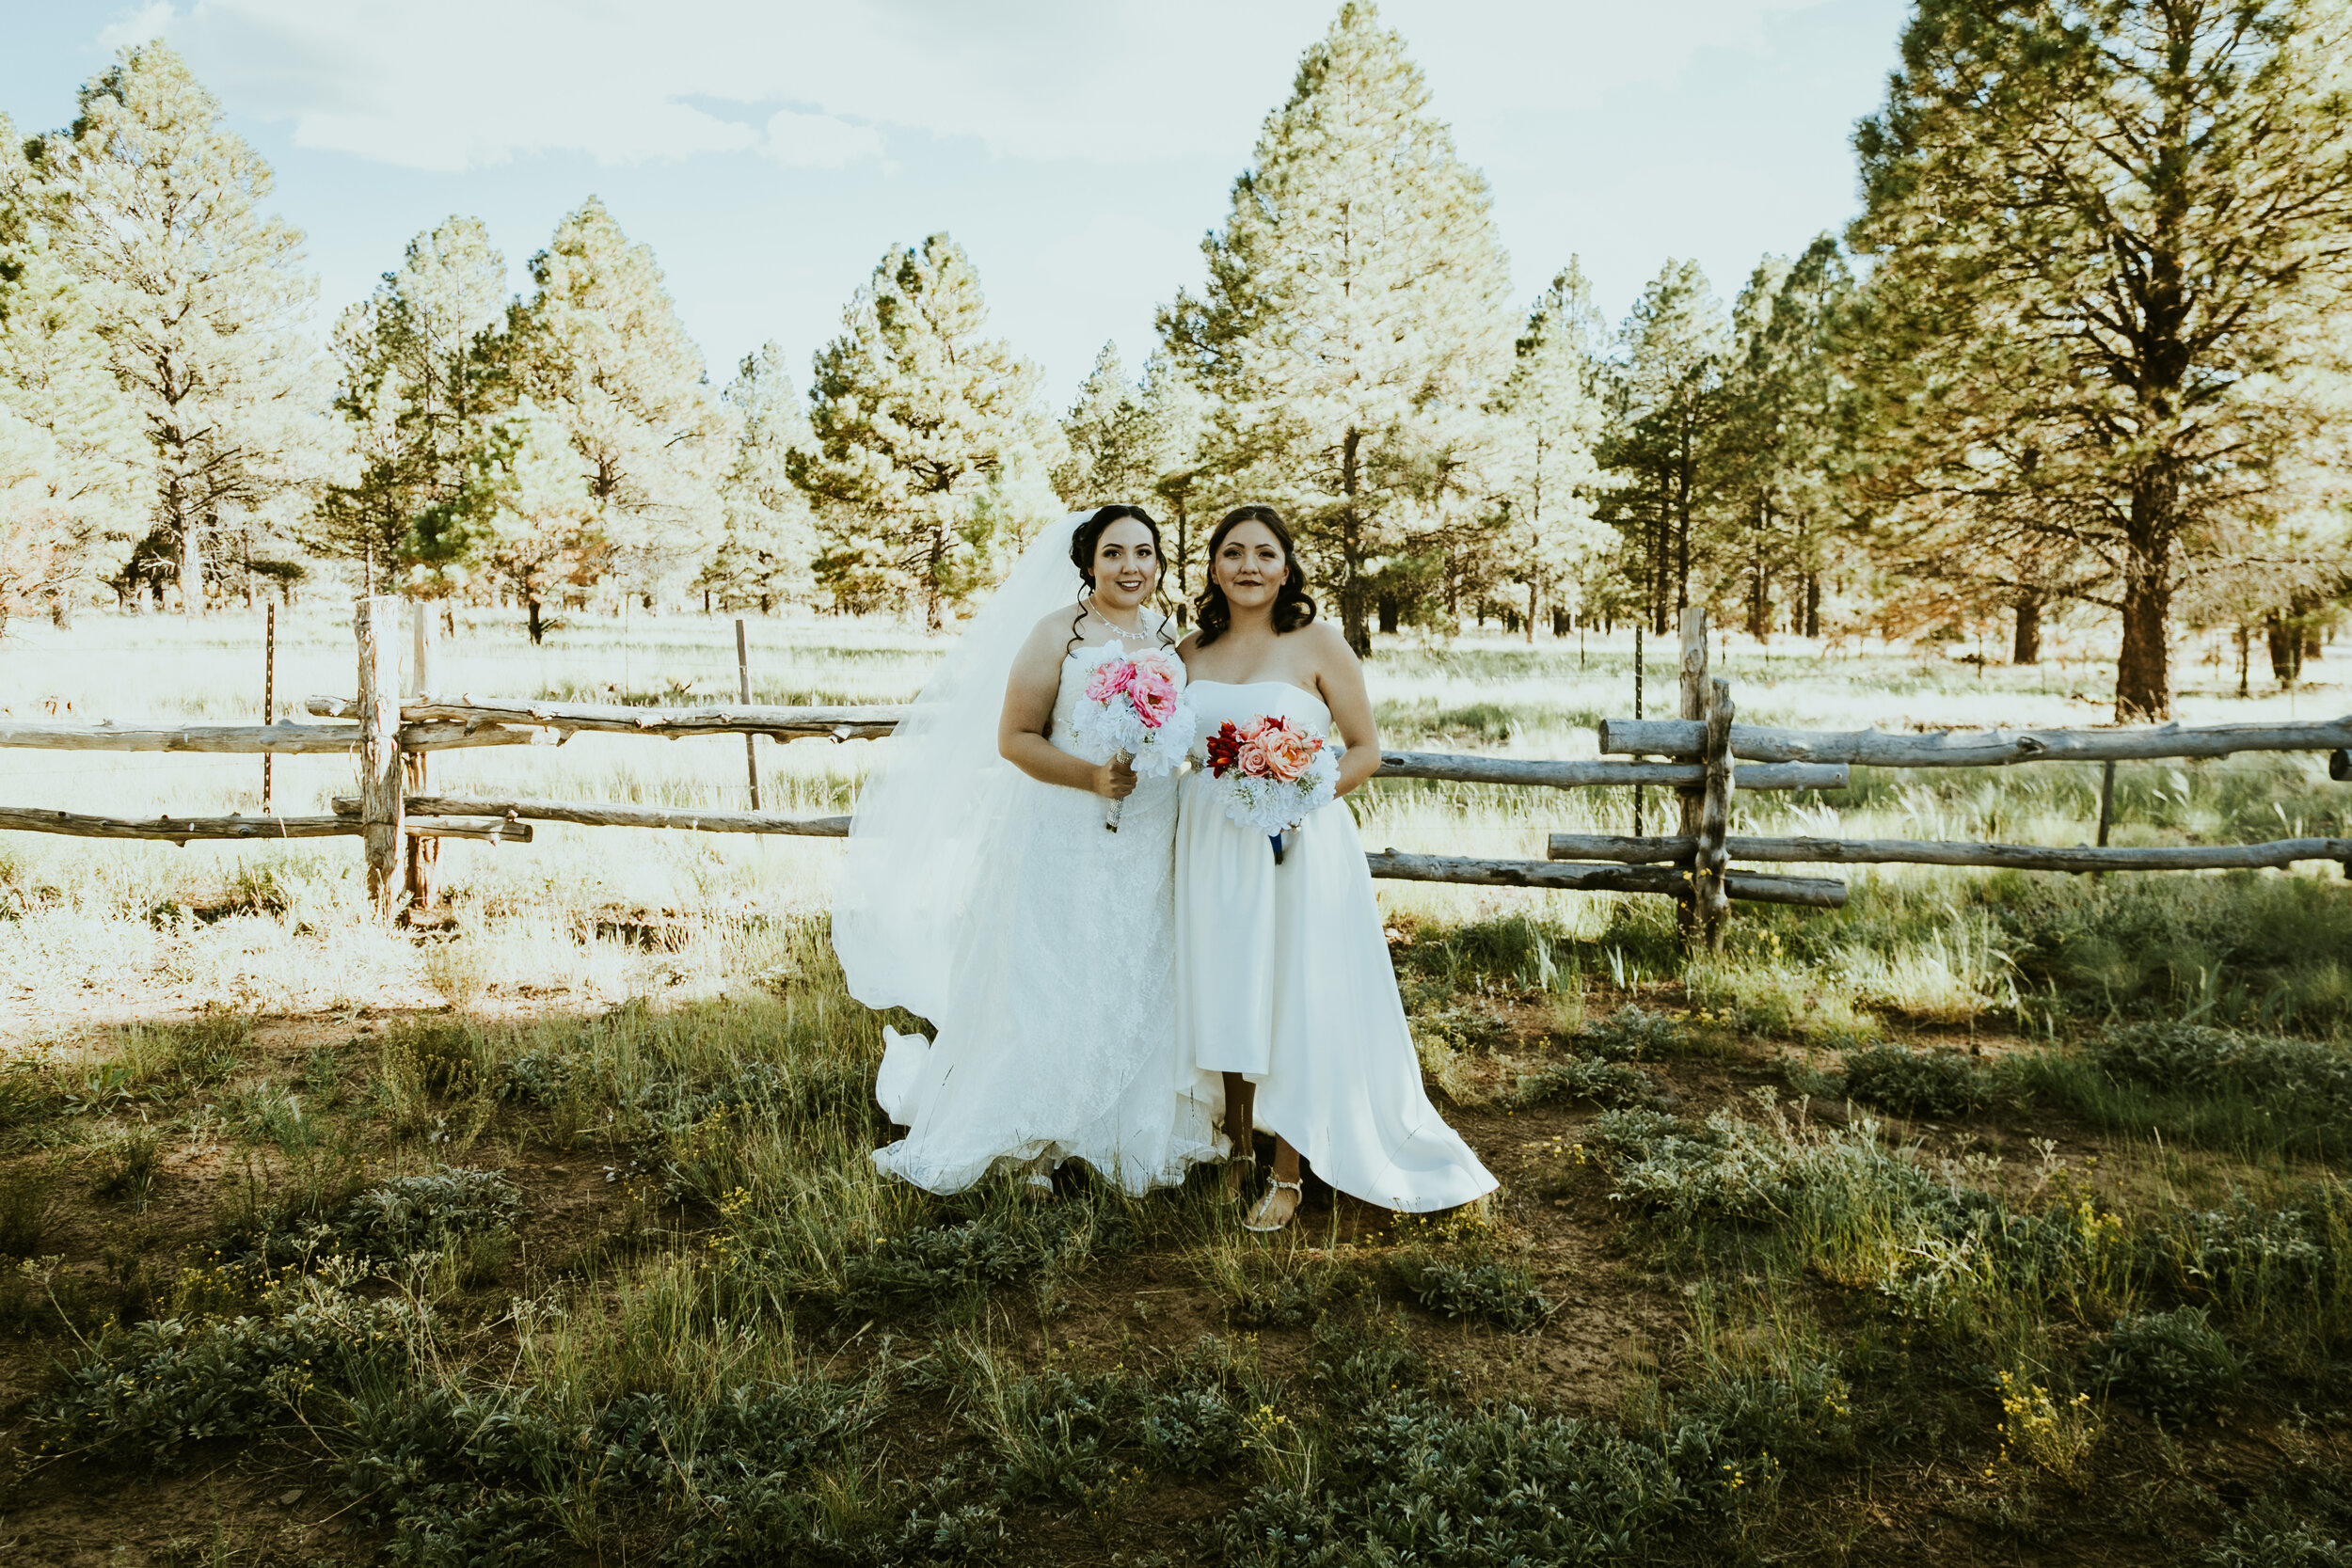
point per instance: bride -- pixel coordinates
(982, 892)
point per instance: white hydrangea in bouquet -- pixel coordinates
(1133, 710)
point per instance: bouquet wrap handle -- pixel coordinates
(1112, 808)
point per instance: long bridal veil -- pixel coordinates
(928, 840)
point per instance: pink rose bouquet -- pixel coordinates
(1269, 773)
(1133, 708)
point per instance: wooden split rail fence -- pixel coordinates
(1702, 756)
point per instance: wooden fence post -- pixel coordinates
(1637, 713)
(376, 621)
(424, 854)
(269, 692)
(1708, 883)
(743, 684)
(1693, 629)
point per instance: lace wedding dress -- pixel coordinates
(1283, 977)
(1055, 1023)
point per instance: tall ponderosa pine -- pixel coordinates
(1783, 436)
(156, 212)
(920, 423)
(1668, 407)
(1552, 410)
(599, 349)
(416, 384)
(2108, 226)
(1114, 440)
(771, 535)
(74, 469)
(1356, 319)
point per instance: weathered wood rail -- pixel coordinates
(181, 829)
(2018, 857)
(1704, 756)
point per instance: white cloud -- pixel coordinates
(454, 84)
(818, 141)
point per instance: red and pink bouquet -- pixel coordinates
(1269, 773)
(1133, 708)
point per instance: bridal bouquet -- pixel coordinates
(1132, 710)
(1269, 773)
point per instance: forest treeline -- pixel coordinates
(2081, 355)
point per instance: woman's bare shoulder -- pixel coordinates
(1326, 642)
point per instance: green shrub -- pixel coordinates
(425, 1211)
(1918, 1083)
(2269, 1535)
(1584, 1078)
(2173, 1366)
(1192, 1432)
(1414, 1480)
(1808, 1412)
(148, 1392)
(1729, 1169)
(1499, 1293)
(1629, 1033)
(2187, 1058)
(922, 1266)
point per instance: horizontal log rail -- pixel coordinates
(1912, 851)
(1576, 775)
(1810, 892)
(275, 739)
(1683, 737)
(181, 829)
(784, 723)
(596, 814)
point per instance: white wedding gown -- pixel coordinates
(1283, 976)
(1058, 1039)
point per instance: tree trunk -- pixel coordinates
(1352, 549)
(62, 610)
(2027, 649)
(1531, 610)
(2286, 649)
(191, 570)
(1813, 604)
(1387, 613)
(2143, 679)
(537, 629)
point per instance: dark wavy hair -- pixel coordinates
(1293, 609)
(1087, 538)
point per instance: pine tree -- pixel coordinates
(599, 349)
(415, 390)
(771, 536)
(915, 416)
(522, 515)
(2101, 233)
(1114, 439)
(1784, 480)
(1552, 411)
(1355, 324)
(72, 465)
(155, 209)
(1667, 406)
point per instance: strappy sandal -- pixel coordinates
(1277, 1185)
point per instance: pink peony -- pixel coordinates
(1110, 677)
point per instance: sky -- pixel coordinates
(771, 150)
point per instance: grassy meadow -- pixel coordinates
(1992, 1217)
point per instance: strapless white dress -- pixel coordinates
(1282, 974)
(1061, 1042)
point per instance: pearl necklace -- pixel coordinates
(1142, 634)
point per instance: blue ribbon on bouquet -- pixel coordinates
(1275, 839)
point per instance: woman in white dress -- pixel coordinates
(983, 893)
(1283, 981)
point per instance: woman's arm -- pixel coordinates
(1340, 676)
(1029, 694)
